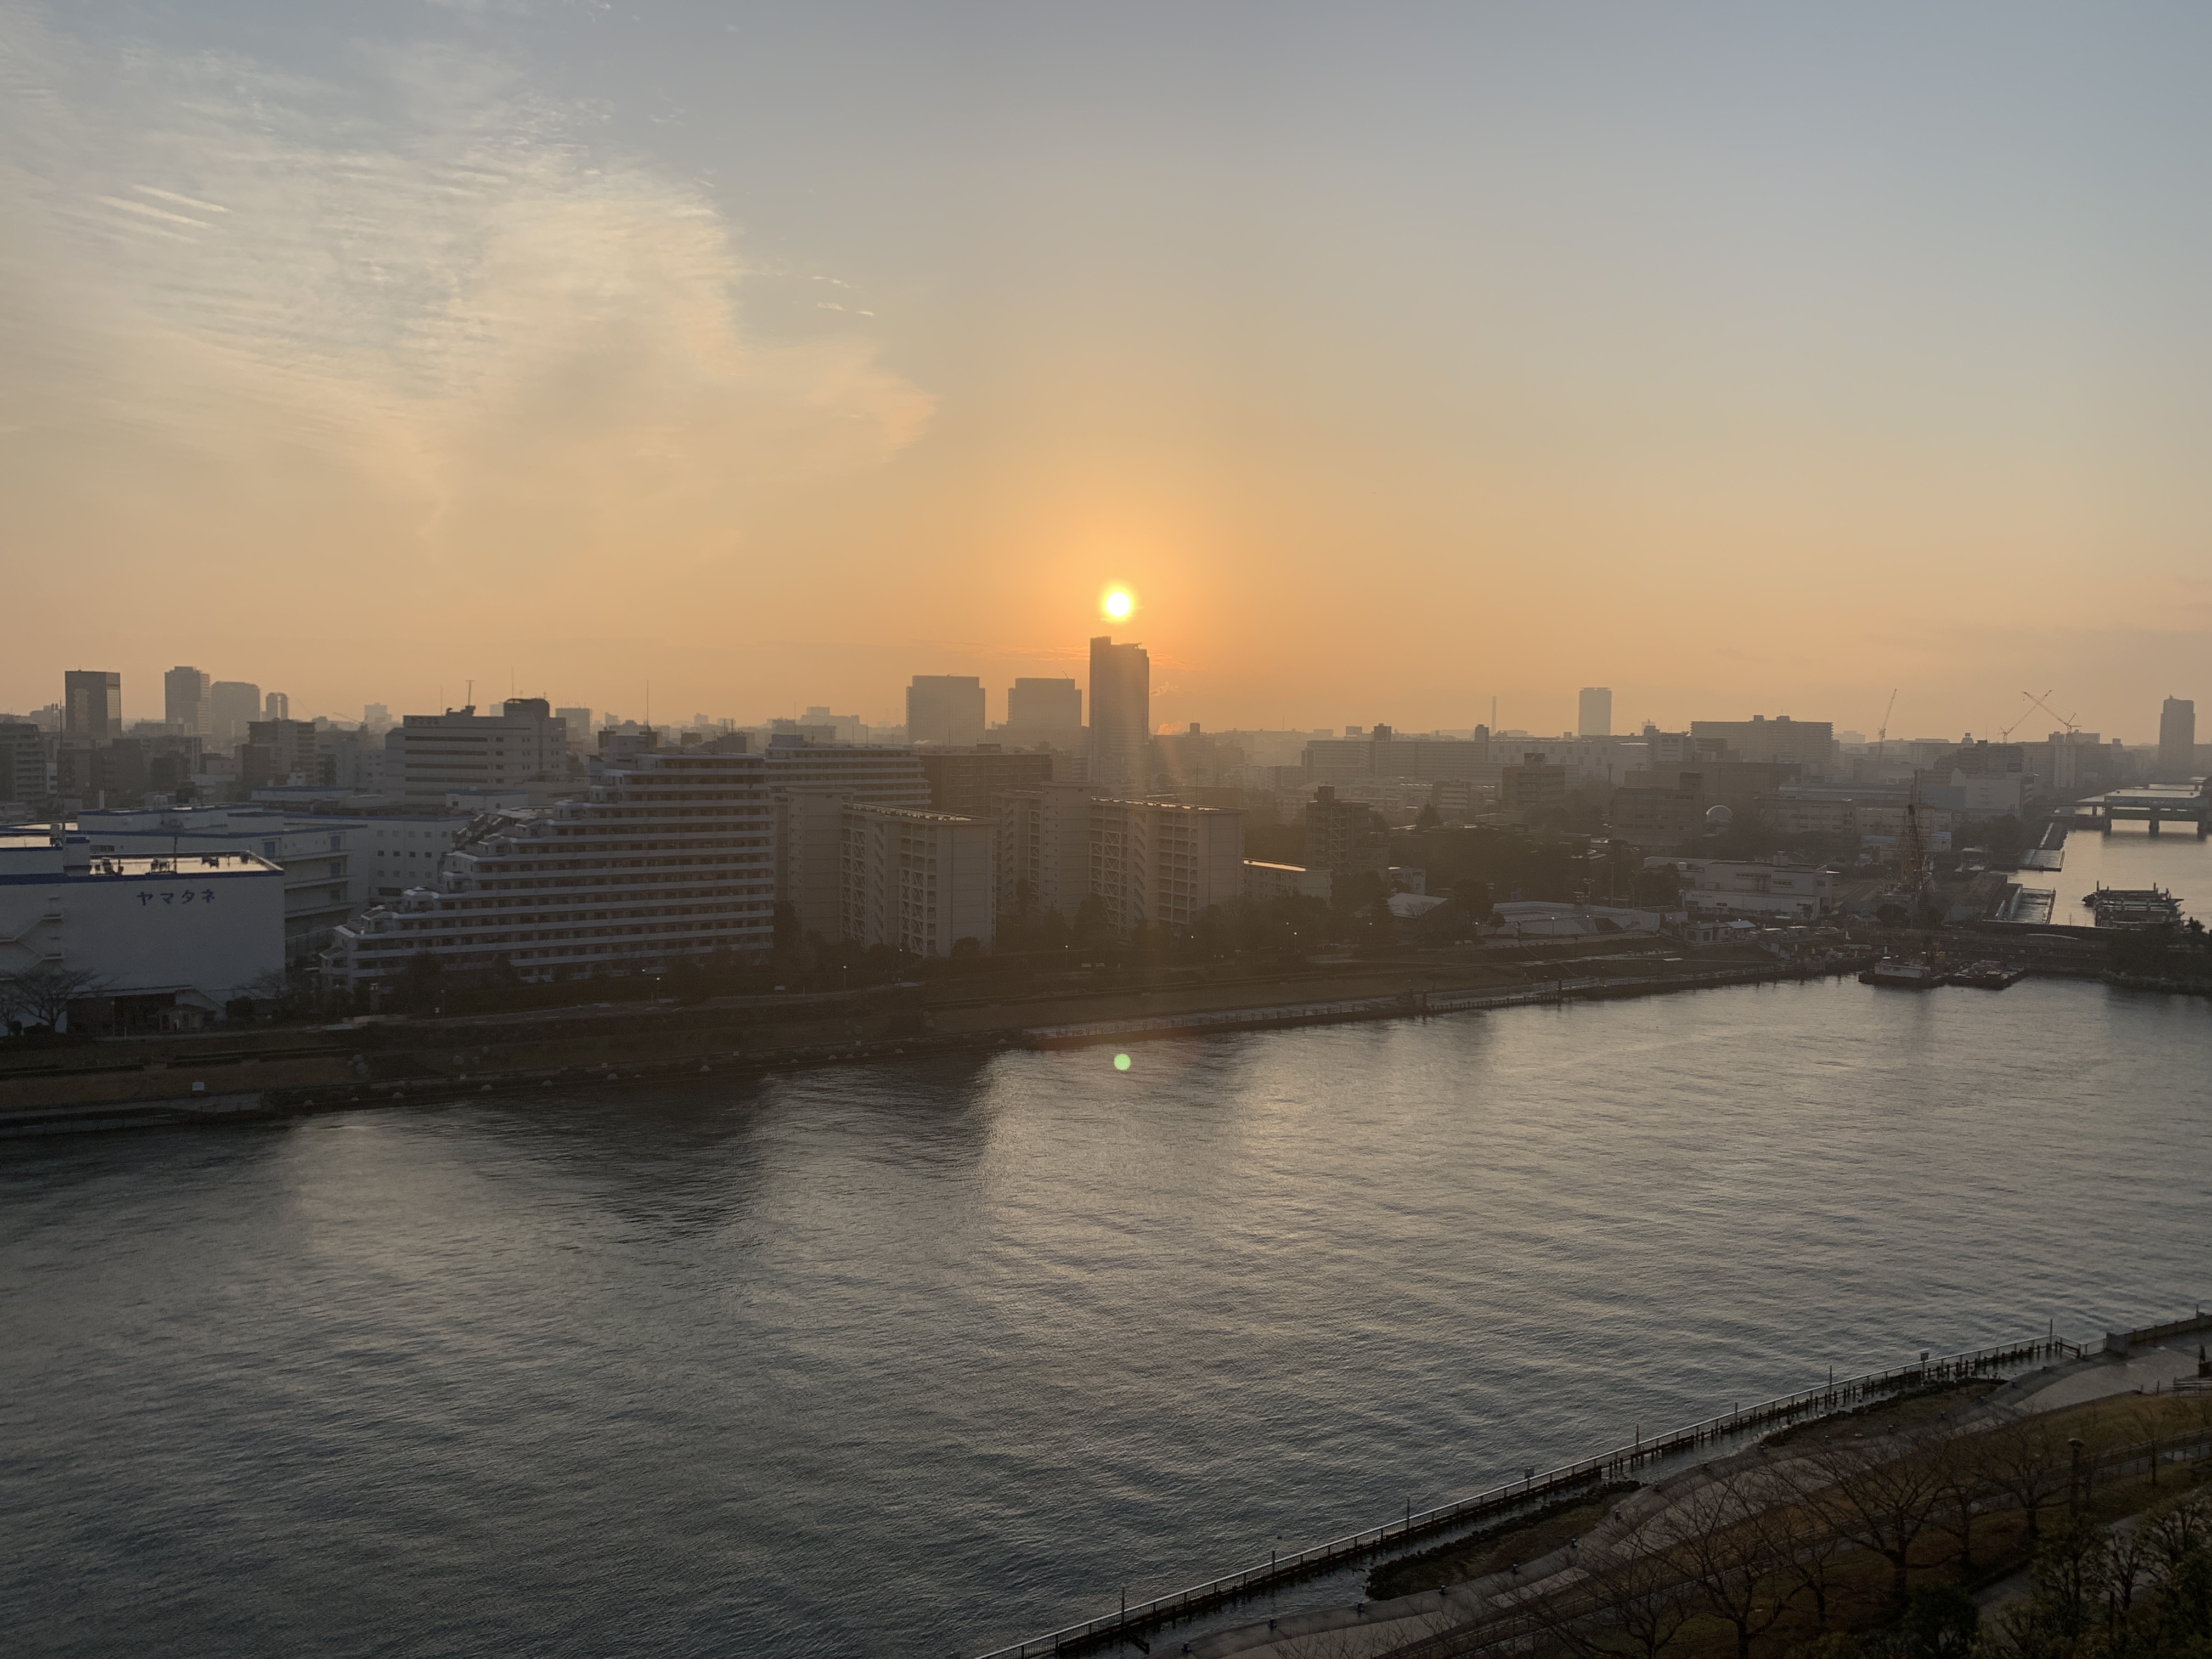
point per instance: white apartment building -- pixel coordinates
(427, 755)
(1155, 863)
(670, 853)
(919, 882)
(813, 783)
(169, 939)
(1750, 887)
(881, 774)
(1044, 848)
(1149, 863)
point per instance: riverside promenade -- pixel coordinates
(2047, 1374)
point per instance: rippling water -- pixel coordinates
(919, 1358)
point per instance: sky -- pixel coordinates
(1746, 359)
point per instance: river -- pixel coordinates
(2130, 857)
(917, 1359)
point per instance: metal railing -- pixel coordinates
(1584, 1472)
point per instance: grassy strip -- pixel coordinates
(1912, 1409)
(1491, 1549)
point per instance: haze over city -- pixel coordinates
(1094, 827)
(1739, 360)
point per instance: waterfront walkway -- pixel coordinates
(1368, 1630)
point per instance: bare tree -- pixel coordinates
(2028, 1461)
(2176, 1531)
(1806, 1548)
(1880, 1494)
(1964, 1477)
(42, 997)
(1731, 1562)
(1633, 1602)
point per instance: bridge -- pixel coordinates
(2154, 804)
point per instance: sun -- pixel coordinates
(1118, 604)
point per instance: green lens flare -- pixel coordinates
(1120, 1062)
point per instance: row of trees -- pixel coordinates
(1770, 1534)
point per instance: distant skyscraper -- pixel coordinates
(945, 708)
(1595, 718)
(378, 715)
(2177, 738)
(1121, 716)
(185, 700)
(92, 704)
(232, 705)
(1045, 711)
(278, 707)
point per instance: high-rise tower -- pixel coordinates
(184, 693)
(1595, 717)
(1121, 716)
(92, 704)
(2177, 738)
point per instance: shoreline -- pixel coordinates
(361, 1093)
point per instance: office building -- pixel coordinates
(92, 704)
(1121, 716)
(232, 705)
(1380, 753)
(1765, 889)
(1044, 711)
(1809, 743)
(23, 774)
(2176, 739)
(918, 882)
(946, 709)
(968, 782)
(427, 755)
(578, 722)
(276, 706)
(377, 717)
(168, 940)
(278, 751)
(1593, 712)
(1533, 790)
(185, 704)
(670, 856)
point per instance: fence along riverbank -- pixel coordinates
(1777, 1413)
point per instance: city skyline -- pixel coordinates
(1401, 363)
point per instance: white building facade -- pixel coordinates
(670, 855)
(175, 937)
(918, 882)
(427, 755)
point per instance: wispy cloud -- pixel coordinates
(428, 281)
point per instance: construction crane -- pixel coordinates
(1881, 732)
(2034, 702)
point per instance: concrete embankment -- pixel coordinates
(348, 1068)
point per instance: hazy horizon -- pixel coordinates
(1396, 359)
